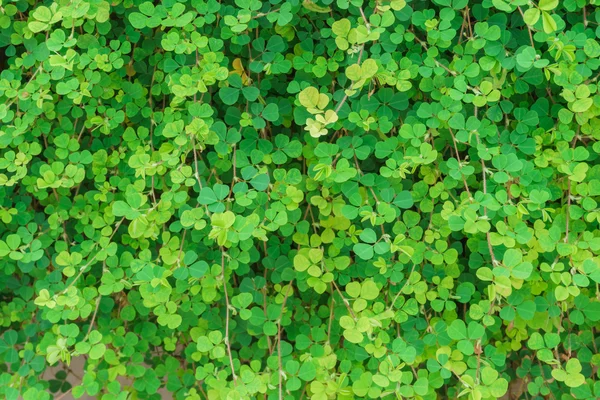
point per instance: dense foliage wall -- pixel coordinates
(292, 200)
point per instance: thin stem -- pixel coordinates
(264, 291)
(265, 14)
(528, 28)
(181, 246)
(346, 303)
(361, 173)
(234, 167)
(28, 82)
(279, 362)
(402, 288)
(64, 394)
(196, 173)
(439, 64)
(459, 161)
(462, 27)
(331, 307)
(487, 234)
(227, 317)
(568, 216)
(82, 269)
(364, 17)
(341, 103)
(93, 317)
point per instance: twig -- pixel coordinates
(181, 246)
(487, 234)
(196, 173)
(367, 24)
(439, 64)
(259, 15)
(550, 95)
(459, 161)
(24, 86)
(341, 103)
(279, 362)
(264, 291)
(64, 394)
(567, 211)
(568, 214)
(402, 288)
(82, 269)
(462, 27)
(331, 307)
(234, 167)
(346, 303)
(93, 317)
(361, 173)
(478, 350)
(469, 22)
(528, 28)
(227, 317)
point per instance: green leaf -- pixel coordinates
(421, 386)
(526, 57)
(548, 22)
(582, 105)
(43, 14)
(512, 257)
(368, 236)
(271, 112)
(198, 269)
(561, 293)
(97, 351)
(364, 251)
(341, 27)
(548, 5)
(404, 200)
(122, 209)
(457, 330)
(138, 20)
(307, 371)
(207, 196)
(526, 310)
(229, 95)
(532, 15)
(536, 341)
(369, 290)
